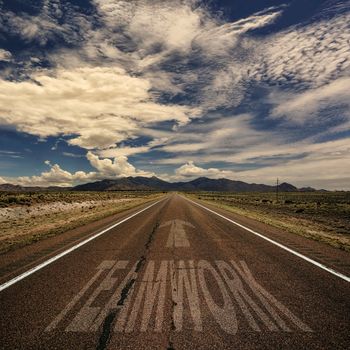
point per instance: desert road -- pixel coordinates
(176, 274)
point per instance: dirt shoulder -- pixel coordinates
(25, 218)
(323, 217)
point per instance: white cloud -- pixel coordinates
(119, 167)
(301, 107)
(123, 151)
(102, 106)
(54, 21)
(311, 169)
(234, 141)
(170, 25)
(219, 39)
(191, 171)
(163, 32)
(38, 28)
(72, 155)
(323, 169)
(215, 137)
(307, 55)
(2, 181)
(56, 176)
(5, 55)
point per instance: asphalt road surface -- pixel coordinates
(176, 276)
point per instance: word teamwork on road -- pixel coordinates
(226, 290)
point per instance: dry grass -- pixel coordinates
(321, 216)
(29, 217)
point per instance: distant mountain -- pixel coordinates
(200, 184)
(125, 183)
(286, 187)
(308, 189)
(140, 183)
(10, 188)
(17, 188)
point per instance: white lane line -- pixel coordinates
(51, 260)
(316, 263)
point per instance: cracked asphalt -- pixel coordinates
(177, 277)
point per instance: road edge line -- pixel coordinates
(71, 249)
(302, 256)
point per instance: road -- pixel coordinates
(177, 276)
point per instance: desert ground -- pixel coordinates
(321, 216)
(29, 217)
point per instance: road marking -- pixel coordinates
(105, 265)
(88, 313)
(177, 234)
(224, 315)
(152, 285)
(202, 292)
(183, 279)
(314, 262)
(51, 260)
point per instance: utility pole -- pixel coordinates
(277, 190)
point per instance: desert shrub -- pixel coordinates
(12, 199)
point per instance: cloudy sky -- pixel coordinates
(247, 90)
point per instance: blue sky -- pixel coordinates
(247, 90)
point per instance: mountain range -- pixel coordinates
(155, 184)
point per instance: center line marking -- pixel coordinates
(58, 256)
(314, 262)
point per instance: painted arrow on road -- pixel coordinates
(177, 235)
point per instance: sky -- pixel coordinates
(247, 90)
